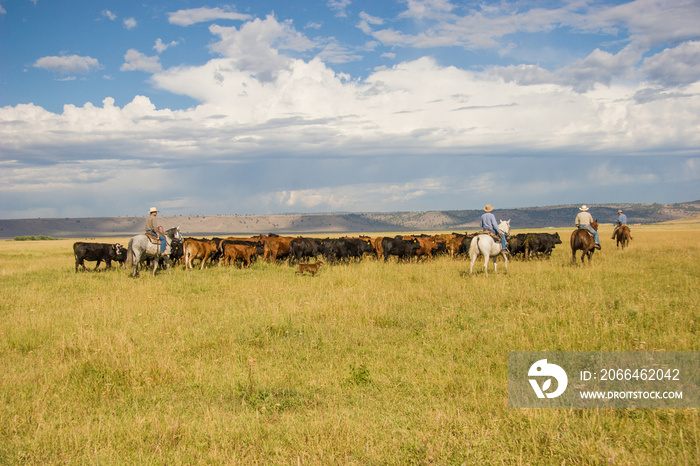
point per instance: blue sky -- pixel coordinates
(260, 107)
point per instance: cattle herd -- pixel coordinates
(274, 248)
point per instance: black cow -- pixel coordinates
(332, 249)
(541, 243)
(516, 244)
(176, 251)
(345, 248)
(403, 248)
(358, 247)
(121, 254)
(304, 248)
(95, 252)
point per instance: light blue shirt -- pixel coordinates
(488, 222)
(622, 219)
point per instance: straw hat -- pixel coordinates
(583, 208)
(488, 208)
(153, 209)
(619, 211)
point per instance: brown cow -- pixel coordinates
(377, 245)
(275, 247)
(452, 241)
(198, 249)
(427, 245)
(234, 252)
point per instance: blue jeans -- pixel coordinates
(504, 245)
(591, 231)
(162, 240)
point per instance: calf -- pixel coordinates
(244, 253)
(251, 242)
(96, 252)
(313, 268)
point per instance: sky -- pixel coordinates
(269, 107)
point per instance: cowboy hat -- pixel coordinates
(153, 209)
(488, 208)
(619, 211)
(583, 208)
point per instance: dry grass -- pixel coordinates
(366, 363)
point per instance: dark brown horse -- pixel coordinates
(623, 236)
(582, 240)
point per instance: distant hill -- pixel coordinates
(447, 220)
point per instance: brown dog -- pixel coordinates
(313, 268)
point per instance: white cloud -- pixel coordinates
(269, 103)
(161, 46)
(202, 15)
(130, 23)
(360, 197)
(255, 47)
(68, 64)
(340, 7)
(675, 66)
(136, 61)
(109, 15)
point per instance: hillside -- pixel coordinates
(453, 220)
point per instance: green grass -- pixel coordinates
(366, 363)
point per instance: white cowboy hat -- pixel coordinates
(619, 211)
(488, 208)
(583, 208)
(153, 209)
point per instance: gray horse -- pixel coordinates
(140, 247)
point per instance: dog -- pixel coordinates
(313, 268)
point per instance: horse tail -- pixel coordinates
(129, 254)
(474, 247)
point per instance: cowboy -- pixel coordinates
(621, 220)
(583, 221)
(155, 228)
(489, 223)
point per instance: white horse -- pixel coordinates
(486, 246)
(140, 247)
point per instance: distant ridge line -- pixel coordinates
(297, 224)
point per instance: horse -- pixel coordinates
(140, 247)
(485, 245)
(623, 236)
(582, 240)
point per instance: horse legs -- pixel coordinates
(486, 264)
(471, 269)
(137, 261)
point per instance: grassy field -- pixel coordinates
(366, 363)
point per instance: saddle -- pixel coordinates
(152, 238)
(493, 235)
